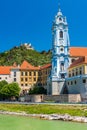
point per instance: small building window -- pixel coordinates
(29, 73)
(80, 72)
(76, 73)
(34, 73)
(14, 79)
(21, 79)
(61, 34)
(69, 75)
(21, 84)
(21, 73)
(75, 82)
(0, 78)
(84, 80)
(68, 83)
(73, 74)
(14, 74)
(26, 84)
(26, 79)
(26, 73)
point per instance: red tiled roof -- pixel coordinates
(26, 65)
(78, 51)
(46, 66)
(81, 60)
(5, 70)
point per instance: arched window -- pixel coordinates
(60, 19)
(62, 76)
(76, 73)
(80, 72)
(72, 72)
(62, 66)
(69, 74)
(61, 34)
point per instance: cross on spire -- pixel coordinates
(59, 10)
(59, 7)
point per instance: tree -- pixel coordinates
(38, 90)
(19, 54)
(10, 90)
(3, 83)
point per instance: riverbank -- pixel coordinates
(65, 117)
(65, 112)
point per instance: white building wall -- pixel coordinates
(15, 75)
(76, 85)
(11, 77)
(6, 78)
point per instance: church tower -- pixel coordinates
(60, 53)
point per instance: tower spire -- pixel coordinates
(60, 53)
(59, 10)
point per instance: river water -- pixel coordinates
(8, 122)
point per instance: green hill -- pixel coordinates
(19, 54)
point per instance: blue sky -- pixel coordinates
(31, 21)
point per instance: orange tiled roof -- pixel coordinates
(5, 70)
(26, 65)
(81, 60)
(78, 51)
(46, 66)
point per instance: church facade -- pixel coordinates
(69, 64)
(60, 53)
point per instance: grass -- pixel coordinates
(73, 110)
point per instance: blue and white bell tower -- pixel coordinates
(60, 53)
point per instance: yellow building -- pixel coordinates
(31, 76)
(45, 72)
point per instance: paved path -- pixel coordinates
(30, 103)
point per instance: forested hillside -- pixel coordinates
(19, 54)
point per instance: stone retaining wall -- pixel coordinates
(63, 98)
(56, 98)
(73, 98)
